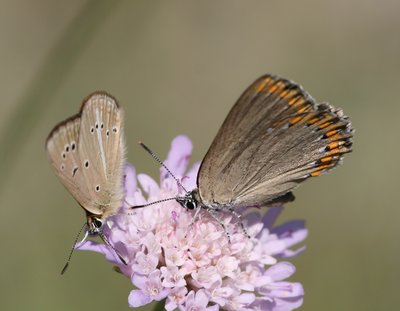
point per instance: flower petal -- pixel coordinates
(190, 178)
(137, 299)
(287, 290)
(130, 180)
(149, 185)
(280, 271)
(271, 215)
(178, 157)
(102, 249)
(201, 300)
(288, 253)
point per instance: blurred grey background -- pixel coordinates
(177, 67)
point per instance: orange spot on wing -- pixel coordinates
(277, 87)
(316, 173)
(324, 125)
(331, 133)
(284, 94)
(338, 151)
(304, 109)
(326, 159)
(273, 88)
(263, 84)
(300, 102)
(335, 144)
(293, 100)
(321, 168)
(261, 87)
(295, 120)
(313, 120)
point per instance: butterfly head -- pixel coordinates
(95, 225)
(189, 201)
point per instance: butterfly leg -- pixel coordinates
(196, 215)
(239, 217)
(79, 244)
(213, 215)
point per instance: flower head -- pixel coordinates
(195, 266)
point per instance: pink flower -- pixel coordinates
(196, 267)
(150, 289)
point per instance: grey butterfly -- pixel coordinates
(87, 153)
(275, 137)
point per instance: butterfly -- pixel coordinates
(275, 137)
(87, 153)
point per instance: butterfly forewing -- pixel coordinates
(87, 153)
(274, 137)
(101, 151)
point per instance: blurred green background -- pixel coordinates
(177, 67)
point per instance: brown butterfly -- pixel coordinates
(87, 153)
(275, 137)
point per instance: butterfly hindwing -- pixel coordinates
(62, 150)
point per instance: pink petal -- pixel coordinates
(246, 298)
(102, 249)
(148, 185)
(137, 299)
(130, 180)
(295, 238)
(280, 271)
(190, 179)
(288, 227)
(274, 247)
(201, 300)
(288, 304)
(178, 157)
(288, 253)
(139, 280)
(271, 215)
(170, 305)
(287, 290)
(162, 294)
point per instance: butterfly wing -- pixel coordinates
(87, 154)
(274, 137)
(62, 150)
(102, 152)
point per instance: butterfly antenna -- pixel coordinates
(162, 164)
(151, 203)
(105, 240)
(73, 248)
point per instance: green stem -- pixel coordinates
(160, 306)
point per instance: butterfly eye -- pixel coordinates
(190, 205)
